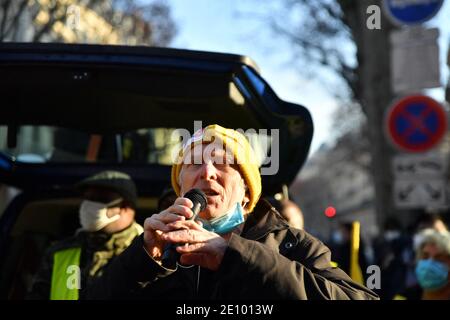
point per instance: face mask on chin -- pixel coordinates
(227, 222)
(93, 215)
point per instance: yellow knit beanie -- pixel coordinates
(235, 143)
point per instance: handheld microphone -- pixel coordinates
(171, 256)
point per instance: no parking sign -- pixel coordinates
(416, 123)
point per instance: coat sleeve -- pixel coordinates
(40, 287)
(126, 275)
(307, 274)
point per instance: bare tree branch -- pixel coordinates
(48, 26)
(14, 23)
(326, 56)
(5, 9)
(319, 31)
(147, 23)
(16, 20)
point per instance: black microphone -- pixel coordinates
(170, 255)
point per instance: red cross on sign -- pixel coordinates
(416, 123)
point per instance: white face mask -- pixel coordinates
(93, 215)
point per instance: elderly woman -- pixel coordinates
(433, 265)
(238, 248)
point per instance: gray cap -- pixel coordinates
(114, 180)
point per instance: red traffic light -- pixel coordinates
(330, 212)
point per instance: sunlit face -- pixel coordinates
(217, 176)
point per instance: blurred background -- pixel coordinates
(347, 61)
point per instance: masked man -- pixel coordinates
(108, 227)
(238, 248)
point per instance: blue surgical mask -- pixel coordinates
(227, 222)
(431, 274)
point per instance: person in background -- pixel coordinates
(390, 249)
(107, 218)
(341, 248)
(290, 211)
(433, 264)
(412, 289)
(428, 221)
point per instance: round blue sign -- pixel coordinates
(411, 12)
(416, 123)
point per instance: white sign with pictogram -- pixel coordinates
(414, 193)
(420, 180)
(414, 59)
(419, 166)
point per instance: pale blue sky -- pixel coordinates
(218, 25)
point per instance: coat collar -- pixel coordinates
(263, 220)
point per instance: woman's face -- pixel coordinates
(431, 251)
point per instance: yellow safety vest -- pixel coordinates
(61, 261)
